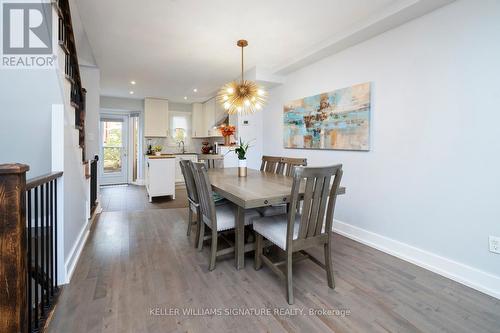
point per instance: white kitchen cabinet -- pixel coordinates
(220, 112)
(155, 117)
(198, 122)
(160, 177)
(209, 115)
(178, 172)
(204, 119)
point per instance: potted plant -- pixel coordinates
(241, 151)
(157, 150)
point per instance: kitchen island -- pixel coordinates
(160, 175)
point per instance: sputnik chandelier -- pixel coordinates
(243, 96)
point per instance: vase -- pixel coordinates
(242, 168)
(157, 153)
(227, 140)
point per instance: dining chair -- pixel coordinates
(287, 164)
(270, 163)
(193, 202)
(285, 167)
(293, 232)
(218, 218)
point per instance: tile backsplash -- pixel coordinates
(171, 147)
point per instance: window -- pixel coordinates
(180, 127)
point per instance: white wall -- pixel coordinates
(25, 122)
(91, 78)
(253, 133)
(431, 178)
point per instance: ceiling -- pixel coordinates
(170, 47)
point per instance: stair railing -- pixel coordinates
(29, 248)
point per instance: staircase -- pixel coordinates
(74, 96)
(70, 70)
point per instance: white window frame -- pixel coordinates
(189, 119)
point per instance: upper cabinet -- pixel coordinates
(155, 117)
(209, 115)
(205, 118)
(220, 113)
(198, 124)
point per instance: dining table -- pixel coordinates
(257, 189)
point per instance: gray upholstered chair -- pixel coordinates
(218, 218)
(192, 195)
(293, 232)
(270, 163)
(287, 165)
(284, 166)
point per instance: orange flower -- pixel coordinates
(227, 130)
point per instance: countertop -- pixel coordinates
(200, 156)
(210, 157)
(155, 157)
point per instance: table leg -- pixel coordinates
(240, 238)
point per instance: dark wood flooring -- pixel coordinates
(139, 261)
(133, 198)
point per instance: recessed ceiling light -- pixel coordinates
(185, 97)
(132, 82)
(195, 90)
(131, 92)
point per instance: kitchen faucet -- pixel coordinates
(183, 150)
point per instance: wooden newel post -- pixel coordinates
(13, 270)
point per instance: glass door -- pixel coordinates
(114, 150)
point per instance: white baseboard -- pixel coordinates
(464, 274)
(75, 252)
(139, 182)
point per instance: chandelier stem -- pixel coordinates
(242, 79)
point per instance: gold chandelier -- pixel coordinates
(243, 96)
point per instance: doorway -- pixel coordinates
(114, 149)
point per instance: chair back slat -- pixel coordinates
(204, 189)
(316, 201)
(288, 164)
(270, 163)
(187, 173)
(322, 206)
(306, 208)
(319, 196)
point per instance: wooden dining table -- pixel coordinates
(257, 189)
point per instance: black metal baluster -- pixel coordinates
(42, 254)
(52, 238)
(35, 265)
(47, 243)
(29, 263)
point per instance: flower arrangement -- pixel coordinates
(157, 150)
(227, 131)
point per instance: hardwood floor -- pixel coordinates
(139, 261)
(132, 198)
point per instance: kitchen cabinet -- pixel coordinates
(198, 124)
(155, 117)
(179, 178)
(220, 113)
(209, 116)
(160, 176)
(204, 119)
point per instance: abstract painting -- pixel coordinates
(335, 120)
